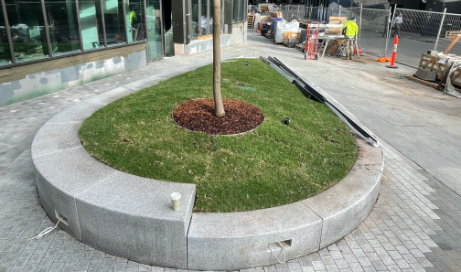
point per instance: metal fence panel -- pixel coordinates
(418, 31)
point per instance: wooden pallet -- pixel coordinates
(452, 34)
(251, 21)
(431, 63)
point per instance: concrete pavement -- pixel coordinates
(415, 225)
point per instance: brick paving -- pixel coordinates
(414, 226)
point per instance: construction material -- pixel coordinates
(453, 42)
(439, 64)
(426, 74)
(394, 53)
(251, 20)
(312, 42)
(315, 93)
(452, 34)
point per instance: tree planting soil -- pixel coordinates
(199, 115)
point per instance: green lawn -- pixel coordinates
(274, 165)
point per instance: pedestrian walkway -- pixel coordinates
(415, 225)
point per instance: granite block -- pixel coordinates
(344, 206)
(232, 241)
(55, 137)
(132, 217)
(60, 177)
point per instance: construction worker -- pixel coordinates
(350, 32)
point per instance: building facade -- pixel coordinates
(50, 45)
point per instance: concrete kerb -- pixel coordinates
(131, 217)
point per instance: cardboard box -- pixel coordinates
(289, 35)
(335, 31)
(337, 20)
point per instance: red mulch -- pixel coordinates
(199, 115)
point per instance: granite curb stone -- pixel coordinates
(72, 184)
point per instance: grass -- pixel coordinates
(276, 164)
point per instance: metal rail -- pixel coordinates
(314, 92)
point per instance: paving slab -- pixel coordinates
(397, 202)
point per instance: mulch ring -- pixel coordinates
(199, 115)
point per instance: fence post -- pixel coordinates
(350, 10)
(339, 15)
(440, 29)
(297, 13)
(388, 33)
(387, 30)
(360, 22)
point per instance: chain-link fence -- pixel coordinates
(293, 11)
(419, 31)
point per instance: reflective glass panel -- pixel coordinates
(91, 24)
(154, 29)
(135, 20)
(115, 25)
(5, 56)
(63, 26)
(241, 10)
(27, 30)
(203, 18)
(195, 26)
(235, 12)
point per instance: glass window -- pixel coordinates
(203, 17)
(135, 20)
(27, 30)
(91, 24)
(195, 28)
(5, 56)
(154, 29)
(241, 10)
(210, 25)
(115, 25)
(235, 13)
(63, 26)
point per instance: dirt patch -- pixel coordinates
(199, 115)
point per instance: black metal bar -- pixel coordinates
(8, 32)
(103, 20)
(79, 25)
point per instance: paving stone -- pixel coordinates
(415, 225)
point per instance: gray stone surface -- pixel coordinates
(61, 176)
(344, 206)
(132, 217)
(414, 226)
(231, 241)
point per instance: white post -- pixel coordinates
(389, 32)
(440, 29)
(339, 15)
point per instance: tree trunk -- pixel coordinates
(219, 108)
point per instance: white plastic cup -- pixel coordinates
(175, 197)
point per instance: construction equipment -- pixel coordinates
(312, 41)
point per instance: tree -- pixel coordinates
(219, 108)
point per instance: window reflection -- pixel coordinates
(113, 18)
(195, 28)
(27, 30)
(63, 26)
(154, 29)
(203, 18)
(135, 20)
(5, 56)
(91, 24)
(235, 13)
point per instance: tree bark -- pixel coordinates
(219, 108)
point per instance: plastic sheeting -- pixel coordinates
(283, 26)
